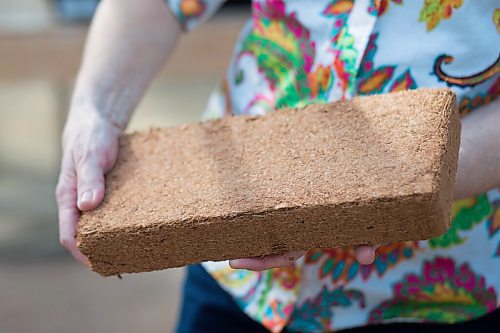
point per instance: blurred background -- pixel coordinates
(41, 288)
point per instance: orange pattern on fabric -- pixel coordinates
(376, 80)
(383, 5)
(340, 7)
(192, 8)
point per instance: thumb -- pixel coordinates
(90, 184)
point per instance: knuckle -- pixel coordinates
(63, 195)
(60, 191)
(65, 183)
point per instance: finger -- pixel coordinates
(268, 262)
(90, 186)
(365, 254)
(68, 213)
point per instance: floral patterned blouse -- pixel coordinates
(295, 52)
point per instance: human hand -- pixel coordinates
(364, 254)
(90, 148)
(479, 156)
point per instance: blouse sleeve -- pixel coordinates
(192, 13)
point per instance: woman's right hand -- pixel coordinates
(90, 148)
(128, 43)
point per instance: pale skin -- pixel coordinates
(127, 44)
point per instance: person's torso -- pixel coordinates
(296, 52)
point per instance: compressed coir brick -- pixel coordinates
(372, 170)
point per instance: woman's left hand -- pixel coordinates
(364, 254)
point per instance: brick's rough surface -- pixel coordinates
(372, 170)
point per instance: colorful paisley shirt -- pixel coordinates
(296, 52)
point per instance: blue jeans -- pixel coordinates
(207, 308)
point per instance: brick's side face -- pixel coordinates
(340, 174)
(280, 231)
(449, 159)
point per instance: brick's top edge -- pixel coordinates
(436, 93)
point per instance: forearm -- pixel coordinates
(479, 161)
(127, 44)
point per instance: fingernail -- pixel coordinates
(86, 196)
(235, 262)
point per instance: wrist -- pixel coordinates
(114, 102)
(86, 120)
